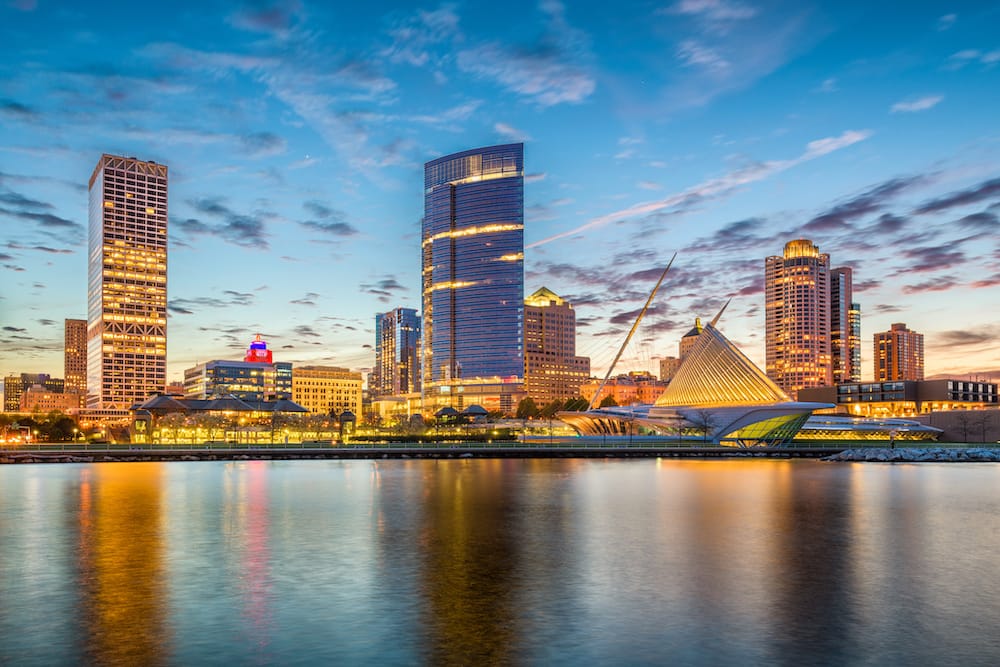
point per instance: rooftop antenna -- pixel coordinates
(629, 336)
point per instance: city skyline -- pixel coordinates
(296, 187)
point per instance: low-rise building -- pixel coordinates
(904, 398)
(327, 389)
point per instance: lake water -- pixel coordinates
(500, 562)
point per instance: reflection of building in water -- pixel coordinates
(122, 587)
(470, 563)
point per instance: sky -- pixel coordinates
(296, 132)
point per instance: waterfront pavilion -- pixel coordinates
(718, 396)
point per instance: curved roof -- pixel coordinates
(716, 373)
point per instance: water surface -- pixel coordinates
(500, 562)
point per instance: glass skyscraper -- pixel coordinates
(473, 277)
(397, 353)
(127, 282)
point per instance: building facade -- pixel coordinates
(906, 398)
(899, 354)
(75, 358)
(552, 371)
(845, 327)
(14, 386)
(689, 339)
(38, 398)
(797, 317)
(634, 388)
(472, 278)
(327, 389)
(127, 282)
(256, 378)
(397, 353)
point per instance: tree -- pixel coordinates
(526, 409)
(608, 402)
(578, 404)
(550, 409)
(702, 421)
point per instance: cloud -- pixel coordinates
(548, 73)
(932, 258)
(692, 54)
(263, 144)
(921, 104)
(383, 289)
(276, 18)
(718, 187)
(15, 329)
(872, 200)
(715, 11)
(963, 337)
(247, 231)
(46, 323)
(946, 22)
(186, 306)
(16, 199)
(983, 221)
(331, 221)
(828, 86)
(935, 285)
(511, 132)
(986, 190)
(45, 220)
(962, 58)
(17, 111)
(308, 300)
(414, 37)
(535, 178)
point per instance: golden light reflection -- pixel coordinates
(122, 578)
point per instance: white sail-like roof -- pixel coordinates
(716, 373)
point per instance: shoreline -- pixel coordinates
(512, 450)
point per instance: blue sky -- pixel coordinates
(296, 132)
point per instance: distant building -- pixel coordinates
(75, 358)
(689, 339)
(397, 353)
(633, 388)
(38, 398)
(246, 380)
(797, 317)
(327, 389)
(127, 283)
(845, 327)
(905, 398)
(899, 354)
(668, 368)
(14, 387)
(552, 371)
(472, 244)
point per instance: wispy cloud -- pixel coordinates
(718, 187)
(946, 22)
(246, 230)
(511, 132)
(920, 104)
(984, 191)
(413, 38)
(549, 73)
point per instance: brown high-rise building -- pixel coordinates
(845, 328)
(688, 340)
(899, 354)
(127, 282)
(797, 312)
(552, 371)
(75, 357)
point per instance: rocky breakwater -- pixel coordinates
(914, 455)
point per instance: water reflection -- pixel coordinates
(498, 562)
(121, 582)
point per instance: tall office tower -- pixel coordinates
(75, 356)
(552, 371)
(473, 278)
(397, 353)
(797, 312)
(845, 317)
(127, 282)
(854, 325)
(899, 354)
